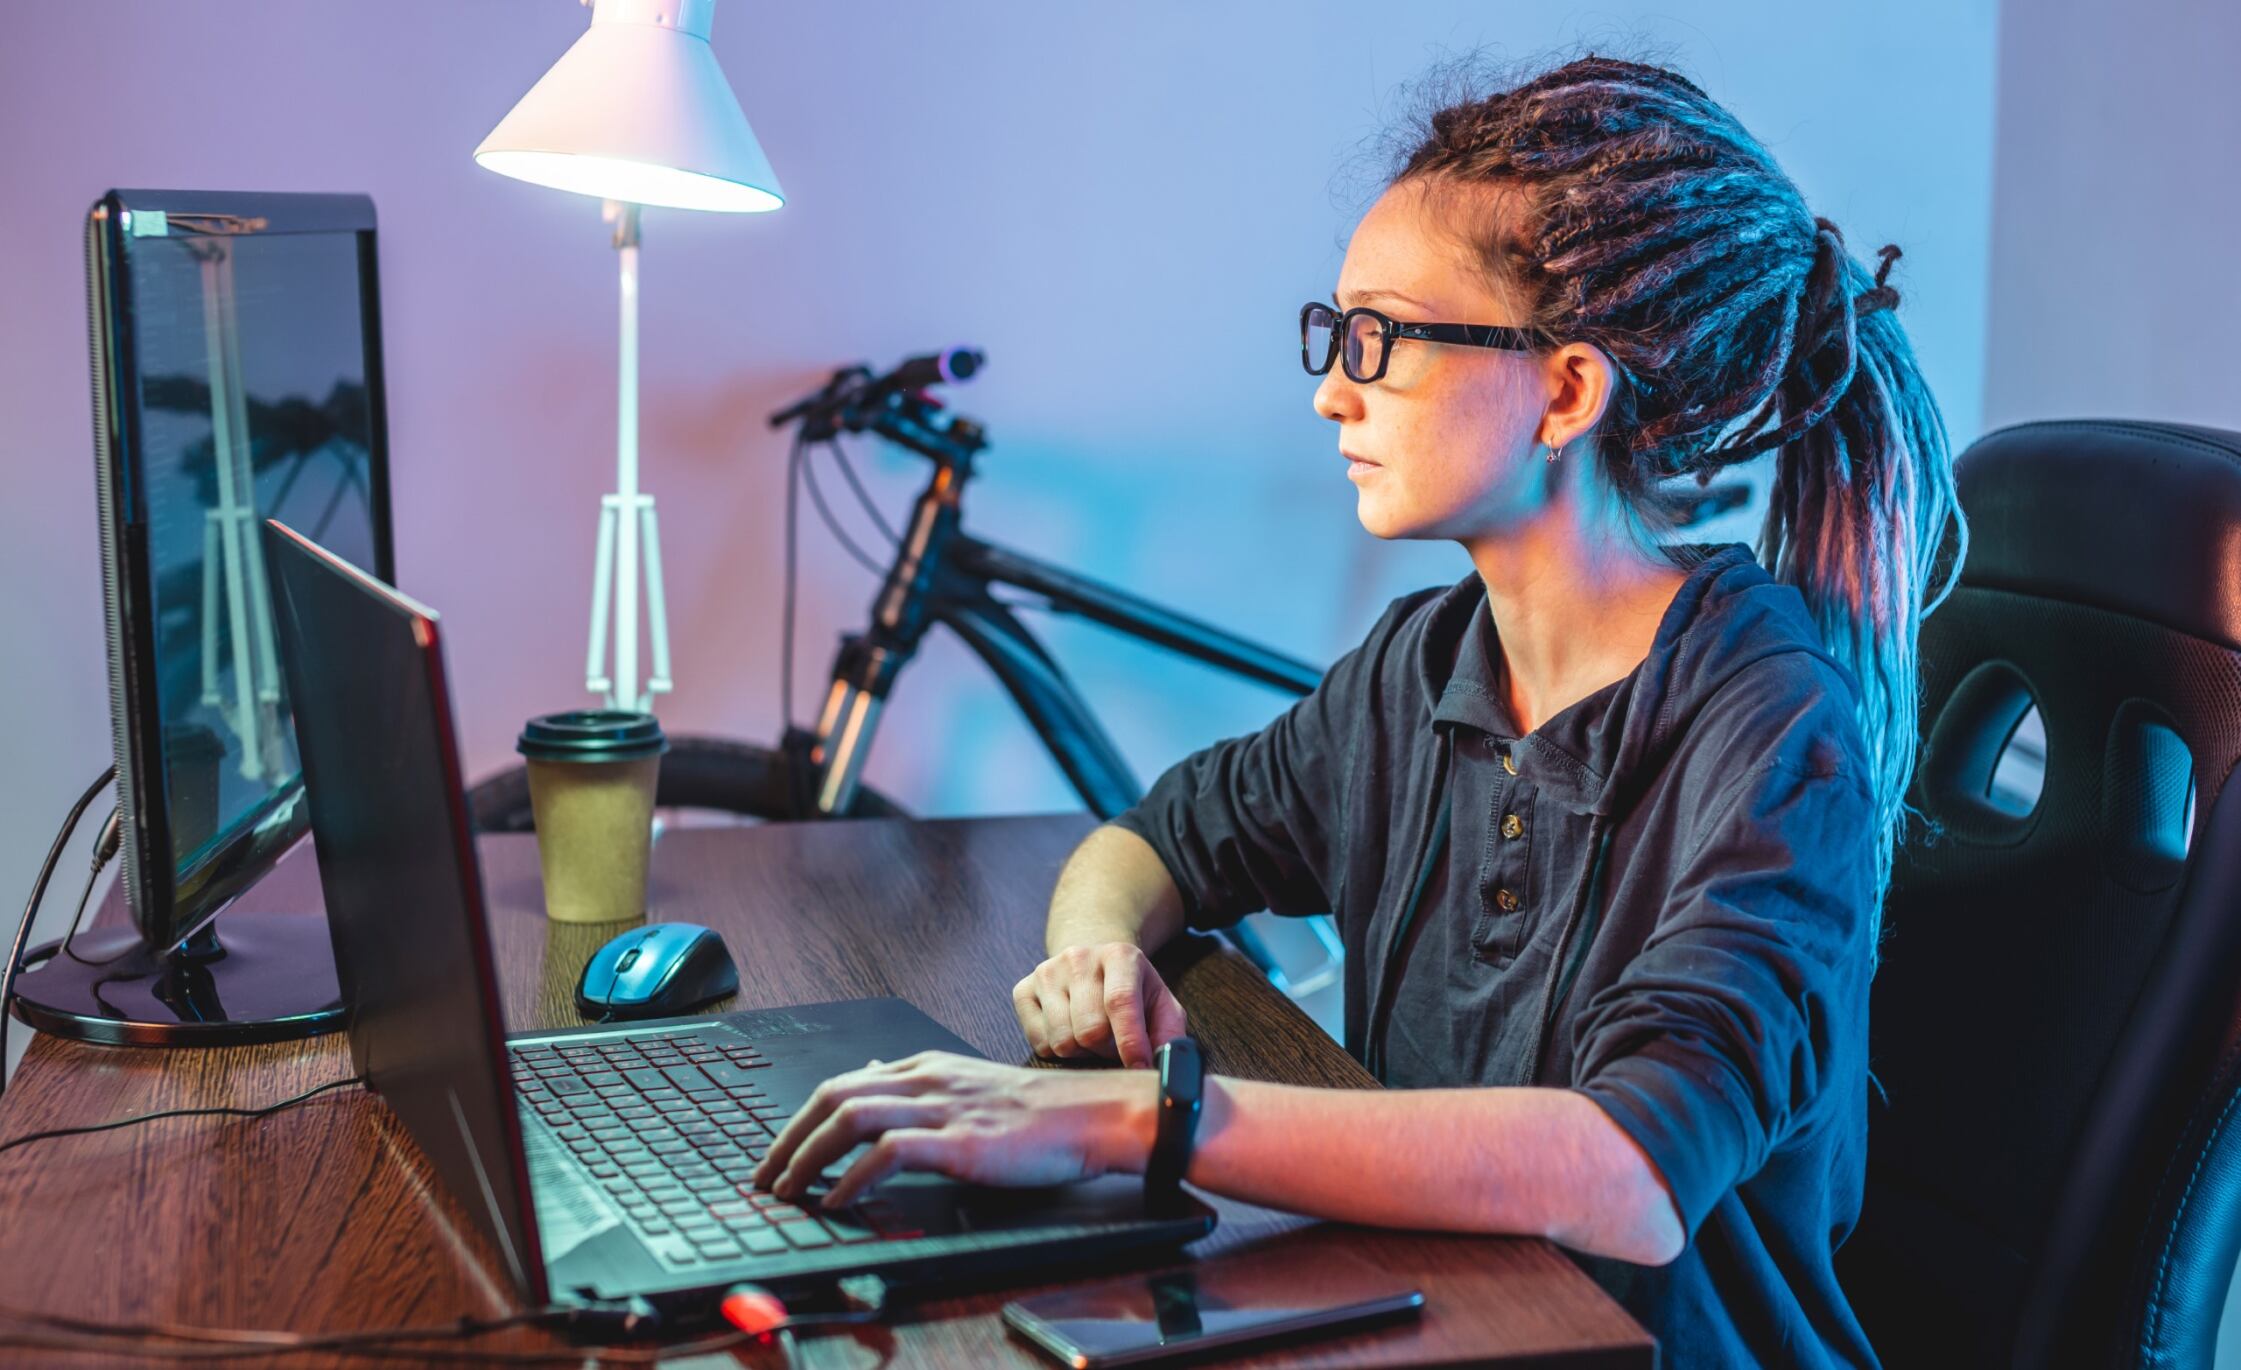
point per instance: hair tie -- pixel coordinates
(1882, 296)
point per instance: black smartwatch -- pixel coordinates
(1182, 1086)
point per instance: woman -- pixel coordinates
(1605, 828)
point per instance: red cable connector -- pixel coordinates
(753, 1310)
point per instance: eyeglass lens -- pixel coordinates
(1364, 343)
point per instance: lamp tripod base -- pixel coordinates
(271, 979)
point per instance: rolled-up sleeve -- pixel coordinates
(1718, 1038)
(1252, 822)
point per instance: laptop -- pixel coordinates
(610, 1162)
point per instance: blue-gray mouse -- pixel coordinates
(656, 970)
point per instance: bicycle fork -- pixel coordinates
(861, 674)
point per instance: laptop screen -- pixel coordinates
(404, 892)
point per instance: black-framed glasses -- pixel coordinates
(1366, 333)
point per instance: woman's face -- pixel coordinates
(1444, 445)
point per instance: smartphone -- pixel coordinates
(1227, 1301)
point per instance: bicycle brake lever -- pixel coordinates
(835, 387)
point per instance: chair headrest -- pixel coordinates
(2136, 517)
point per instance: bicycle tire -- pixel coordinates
(696, 773)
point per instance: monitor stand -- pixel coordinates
(246, 977)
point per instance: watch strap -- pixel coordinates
(1182, 1087)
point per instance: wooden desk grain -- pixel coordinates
(325, 1217)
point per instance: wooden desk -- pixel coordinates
(326, 1218)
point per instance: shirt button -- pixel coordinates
(1505, 901)
(1509, 763)
(1512, 827)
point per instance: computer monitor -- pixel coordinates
(236, 377)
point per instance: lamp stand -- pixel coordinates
(627, 524)
(234, 584)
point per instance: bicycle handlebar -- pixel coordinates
(853, 392)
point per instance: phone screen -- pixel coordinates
(1220, 1302)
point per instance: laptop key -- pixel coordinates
(848, 1228)
(721, 1249)
(761, 1241)
(673, 1248)
(727, 1074)
(805, 1234)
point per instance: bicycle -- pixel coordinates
(939, 575)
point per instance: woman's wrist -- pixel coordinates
(1133, 1124)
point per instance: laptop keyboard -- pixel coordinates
(671, 1126)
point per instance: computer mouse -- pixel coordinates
(659, 969)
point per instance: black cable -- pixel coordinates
(786, 620)
(87, 1337)
(105, 845)
(29, 1137)
(863, 496)
(14, 962)
(832, 524)
(413, 1350)
(261, 1342)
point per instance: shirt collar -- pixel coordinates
(1570, 757)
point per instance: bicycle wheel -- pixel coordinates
(718, 773)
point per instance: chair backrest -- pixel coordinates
(2052, 1175)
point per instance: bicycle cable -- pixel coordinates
(863, 496)
(832, 522)
(786, 611)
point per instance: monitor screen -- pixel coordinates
(243, 384)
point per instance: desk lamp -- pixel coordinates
(637, 112)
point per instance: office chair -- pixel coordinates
(2054, 1157)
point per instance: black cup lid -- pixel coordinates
(592, 735)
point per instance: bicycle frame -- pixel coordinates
(941, 575)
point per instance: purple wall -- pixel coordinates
(1041, 180)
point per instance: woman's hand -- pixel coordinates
(968, 1119)
(1103, 1000)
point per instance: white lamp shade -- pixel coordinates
(638, 110)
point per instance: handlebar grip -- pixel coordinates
(946, 367)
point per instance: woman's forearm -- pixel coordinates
(1114, 888)
(1537, 1162)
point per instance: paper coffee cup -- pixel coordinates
(592, 775)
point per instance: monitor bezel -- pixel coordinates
(167, 910)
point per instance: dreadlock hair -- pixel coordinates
(1641, 217)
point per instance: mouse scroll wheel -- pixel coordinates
(629, 959)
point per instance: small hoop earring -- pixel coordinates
(1557, 451)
